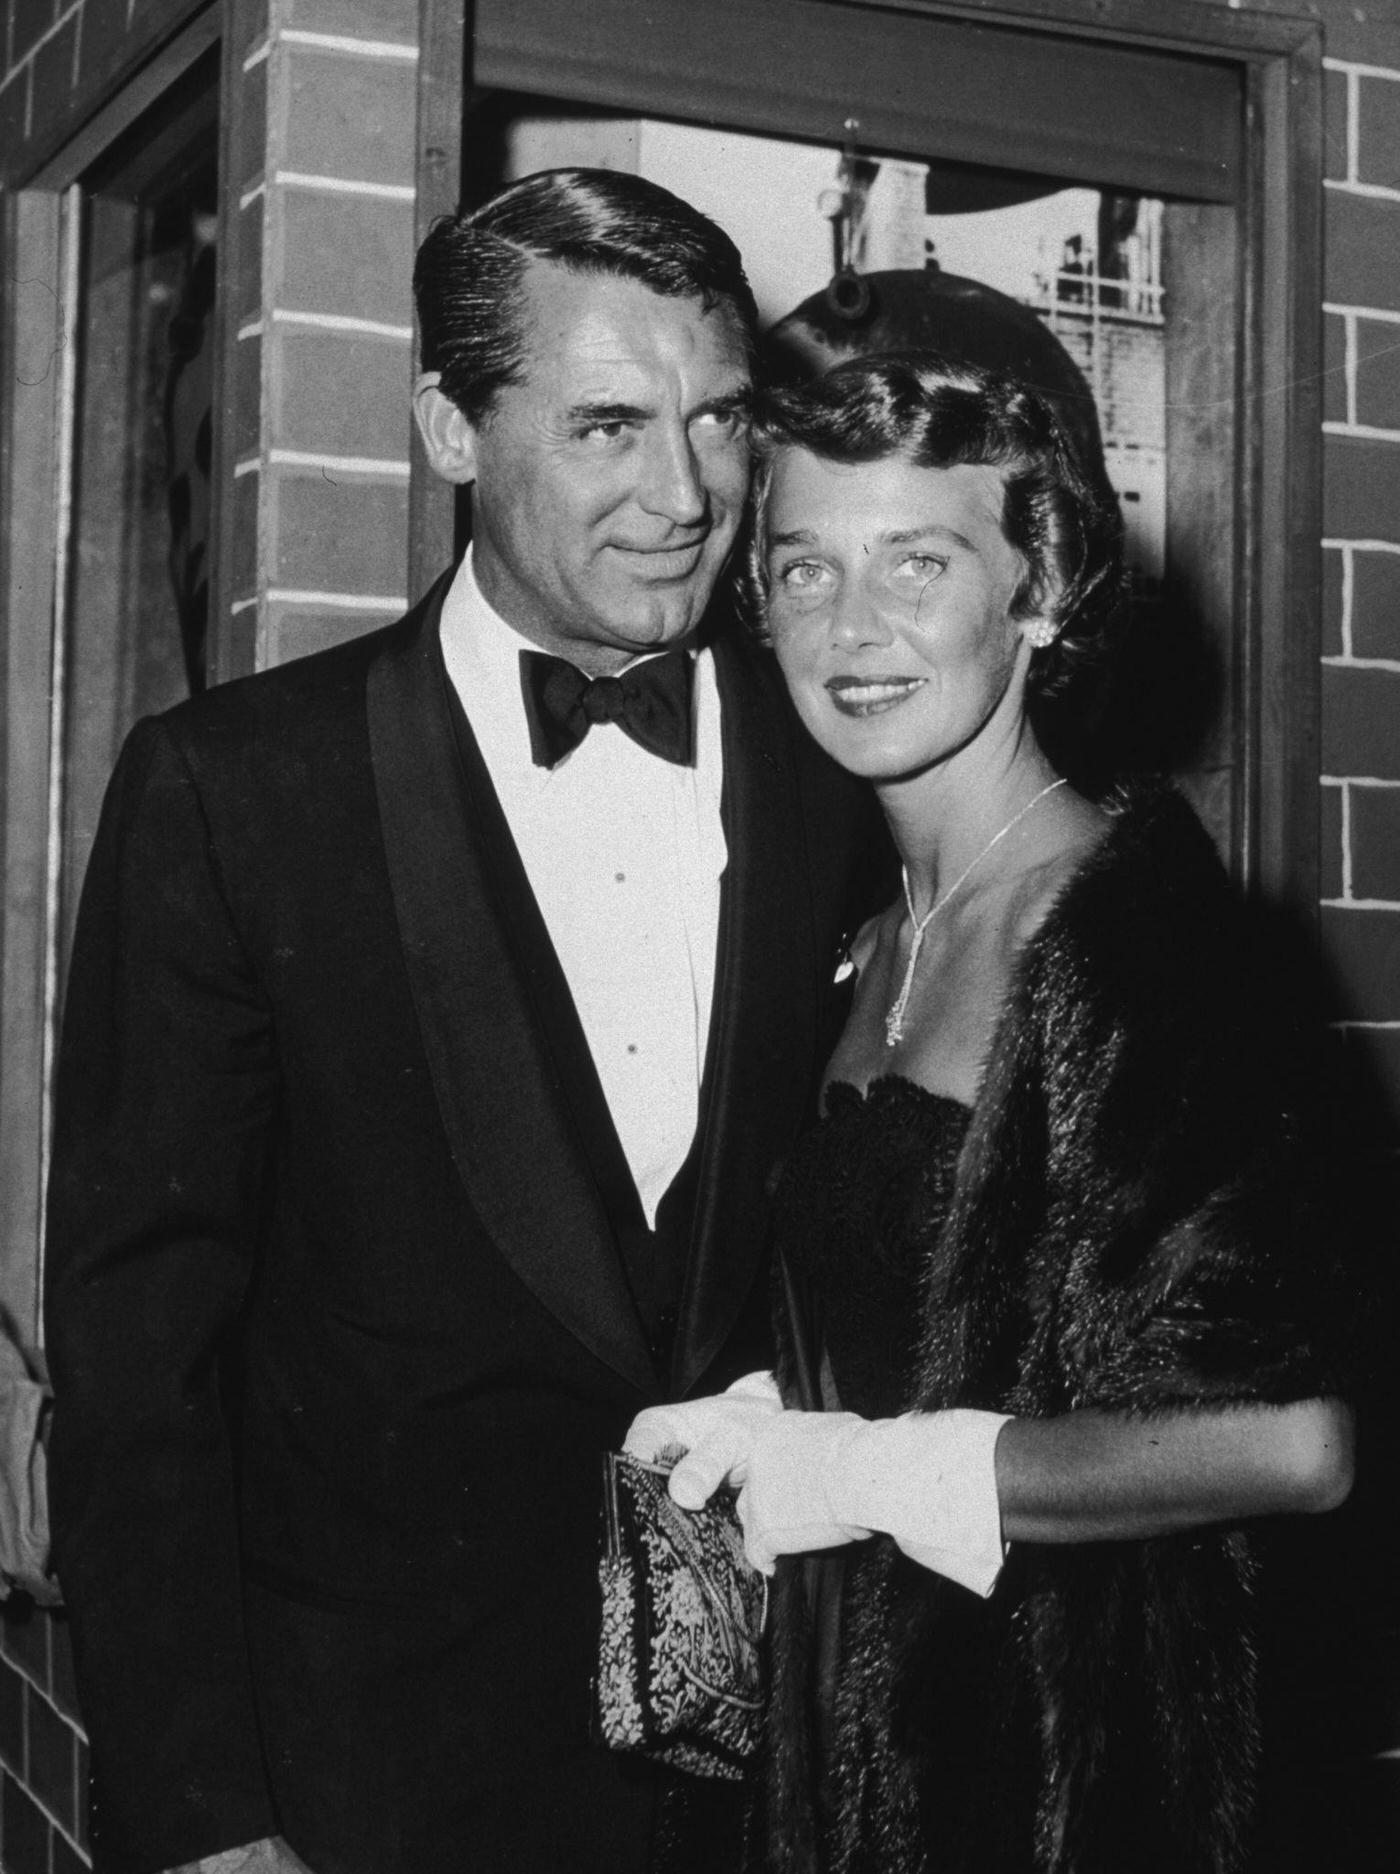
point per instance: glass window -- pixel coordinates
(138, 582)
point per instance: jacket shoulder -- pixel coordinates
(295, 696)
(289, 701)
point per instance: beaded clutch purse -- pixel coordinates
(680, 1668)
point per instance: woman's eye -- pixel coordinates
(923, 565)
(725, 422)
(800, 575)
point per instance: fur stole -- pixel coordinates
(1137, 1224)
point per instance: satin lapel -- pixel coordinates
(497, 1085)
(763, 1033)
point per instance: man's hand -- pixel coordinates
(269, 1856)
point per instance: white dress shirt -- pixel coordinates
(624, 853)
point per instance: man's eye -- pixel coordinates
(604, 432)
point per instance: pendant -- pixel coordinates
(894, 1021)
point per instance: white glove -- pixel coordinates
(816, 1479)
(714, 1434)
(785, 1507)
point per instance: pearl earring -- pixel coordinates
(1041, 635)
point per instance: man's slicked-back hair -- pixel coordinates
(469, 279)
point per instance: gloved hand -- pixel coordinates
(785, 1505)
(714, 1433)
(816, 1479)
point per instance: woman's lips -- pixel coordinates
(871, 696)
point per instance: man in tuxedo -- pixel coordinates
(439, 1008)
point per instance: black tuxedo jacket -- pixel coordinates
(338, 1320)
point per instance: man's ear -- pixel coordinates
(449, 440)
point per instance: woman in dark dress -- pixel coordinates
(1061, 1318)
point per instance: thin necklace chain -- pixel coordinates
(894, 1021)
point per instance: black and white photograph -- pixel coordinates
(700, 1035)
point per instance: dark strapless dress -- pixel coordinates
(859, 1211)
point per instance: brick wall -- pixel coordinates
(320, 254)
(61, 59)
(43, 1787)
(1361, 649)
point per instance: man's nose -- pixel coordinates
(672, 486)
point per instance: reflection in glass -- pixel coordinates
(138, 589)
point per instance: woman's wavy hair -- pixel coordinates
(1059, 514)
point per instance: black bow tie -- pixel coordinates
(650, 702)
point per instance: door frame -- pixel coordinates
(1271, 239)
(39, 229)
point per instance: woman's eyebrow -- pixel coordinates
(899, 537)
(934, 531)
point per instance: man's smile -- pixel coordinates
(664, 563)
